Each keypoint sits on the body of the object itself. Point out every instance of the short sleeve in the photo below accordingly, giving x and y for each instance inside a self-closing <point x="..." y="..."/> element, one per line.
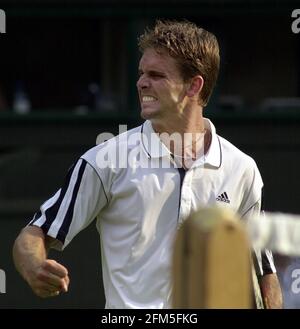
<point x="74" y="206"/>
<point x="252" y="189"/>
<point x="264" y="258"/>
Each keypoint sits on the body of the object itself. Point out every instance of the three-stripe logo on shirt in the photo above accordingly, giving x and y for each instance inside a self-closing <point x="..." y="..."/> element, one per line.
<point x="223" y="197"/>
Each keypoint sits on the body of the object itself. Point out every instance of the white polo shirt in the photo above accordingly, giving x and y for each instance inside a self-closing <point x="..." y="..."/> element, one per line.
<point x="140" y="207"/>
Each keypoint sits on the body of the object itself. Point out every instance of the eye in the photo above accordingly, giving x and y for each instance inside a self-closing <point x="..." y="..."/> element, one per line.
<point x="156" y="75"/>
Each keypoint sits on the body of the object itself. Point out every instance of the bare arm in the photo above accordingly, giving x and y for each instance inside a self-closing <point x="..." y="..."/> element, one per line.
<point x="271" y="291"/>
<point x="46" y="277"/>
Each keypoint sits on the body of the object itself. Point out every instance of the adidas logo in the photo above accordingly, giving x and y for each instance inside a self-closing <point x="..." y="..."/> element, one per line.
<point x="223" y="197"/>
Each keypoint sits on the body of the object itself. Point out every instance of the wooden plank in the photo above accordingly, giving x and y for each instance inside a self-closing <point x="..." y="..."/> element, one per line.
<point x="212" y="263"/>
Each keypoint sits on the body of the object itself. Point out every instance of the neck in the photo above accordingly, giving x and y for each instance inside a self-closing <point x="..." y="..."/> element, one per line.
<point x="189" y="121"/>
<point x="184" y="134"/>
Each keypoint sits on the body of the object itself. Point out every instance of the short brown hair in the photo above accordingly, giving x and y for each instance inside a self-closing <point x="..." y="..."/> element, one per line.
<point x="195" y="50"/>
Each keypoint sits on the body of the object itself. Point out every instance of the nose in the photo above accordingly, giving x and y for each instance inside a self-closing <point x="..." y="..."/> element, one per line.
<point x="143" y="82"/>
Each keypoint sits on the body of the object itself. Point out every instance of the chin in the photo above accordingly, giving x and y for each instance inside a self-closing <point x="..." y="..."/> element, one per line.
<point x="148" y="114"/>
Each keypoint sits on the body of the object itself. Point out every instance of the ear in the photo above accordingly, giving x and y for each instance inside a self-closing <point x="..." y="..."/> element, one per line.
<point x="195" y="86"/>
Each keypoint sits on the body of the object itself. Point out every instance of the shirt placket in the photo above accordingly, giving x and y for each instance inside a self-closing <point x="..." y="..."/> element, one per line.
<point x="185" y="197"/>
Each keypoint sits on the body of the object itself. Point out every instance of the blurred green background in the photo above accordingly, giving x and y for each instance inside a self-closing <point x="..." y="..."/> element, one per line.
<point x="68" y="71"/>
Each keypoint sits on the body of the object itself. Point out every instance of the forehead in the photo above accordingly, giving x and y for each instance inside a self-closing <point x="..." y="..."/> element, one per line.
<point x="151" y="59"/>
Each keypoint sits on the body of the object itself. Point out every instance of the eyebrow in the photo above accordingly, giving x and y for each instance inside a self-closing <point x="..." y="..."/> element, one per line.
<point x="153" y="72"/>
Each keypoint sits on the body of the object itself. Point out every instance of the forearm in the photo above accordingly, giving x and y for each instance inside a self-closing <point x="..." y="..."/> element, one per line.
<point x="271" y="291"/>
<point x="29" y="250"/>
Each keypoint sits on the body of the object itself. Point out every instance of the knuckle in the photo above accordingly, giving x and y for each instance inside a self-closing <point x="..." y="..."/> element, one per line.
<point x="47" y="264"/>
<point x="41" y="275"/>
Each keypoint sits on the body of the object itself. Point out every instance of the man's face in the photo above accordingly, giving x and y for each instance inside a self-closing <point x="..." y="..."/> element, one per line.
<point x="160" y="86"/>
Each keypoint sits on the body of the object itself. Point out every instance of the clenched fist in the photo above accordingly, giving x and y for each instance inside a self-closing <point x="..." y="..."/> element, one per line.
<point x="48" y="279"/>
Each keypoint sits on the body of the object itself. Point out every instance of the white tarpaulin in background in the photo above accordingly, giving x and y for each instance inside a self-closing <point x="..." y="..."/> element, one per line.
<point x="276" y="231"/>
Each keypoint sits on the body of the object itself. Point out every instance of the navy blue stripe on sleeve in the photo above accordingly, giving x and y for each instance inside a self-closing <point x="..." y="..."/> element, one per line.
<point x="52" y="211"/>
<point x="267" y="269"/>
<point x="64" y="229"/>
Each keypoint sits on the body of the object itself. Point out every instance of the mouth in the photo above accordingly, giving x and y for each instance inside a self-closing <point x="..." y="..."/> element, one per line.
<point x="147" y="99"/>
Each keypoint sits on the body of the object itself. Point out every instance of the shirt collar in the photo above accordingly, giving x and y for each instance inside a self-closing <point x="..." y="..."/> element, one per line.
<point x="154" y="147"/>
<point x="213" y="156"/>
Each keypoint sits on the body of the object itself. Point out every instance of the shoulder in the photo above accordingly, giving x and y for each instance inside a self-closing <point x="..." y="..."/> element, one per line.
<point x="240" y="164"/>
<point x="111" y="145"/>
<point x="111" y="157"/>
